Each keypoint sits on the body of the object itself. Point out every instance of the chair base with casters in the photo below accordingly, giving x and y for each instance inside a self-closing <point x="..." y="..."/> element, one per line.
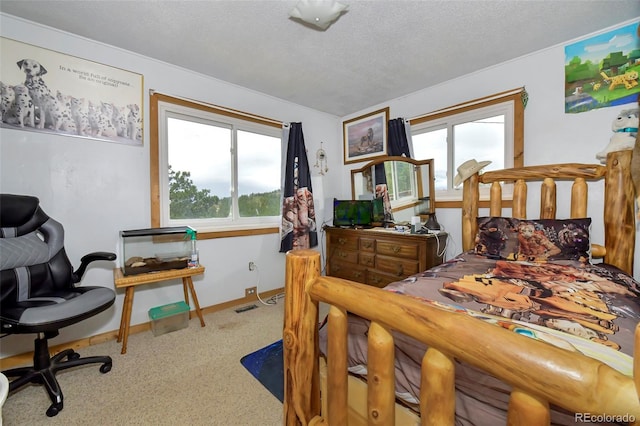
<point x="40" y="293"/>
<point x="44" y="370"/>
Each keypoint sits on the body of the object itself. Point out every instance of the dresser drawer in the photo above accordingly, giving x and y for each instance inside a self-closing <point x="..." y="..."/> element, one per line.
<point x="348" y="271"/>
<point x="400" y="268"/>
<point x="367" y="244"/>
<point x="344" y="255"/>
<point x="344" y="242"/>
<point x="367" y="259"/>
<point x="406" y="250"/>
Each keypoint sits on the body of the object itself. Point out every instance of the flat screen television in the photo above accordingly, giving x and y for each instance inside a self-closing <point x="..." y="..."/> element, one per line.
<point x="352" y="212"/>
<point x="377" y="210"/>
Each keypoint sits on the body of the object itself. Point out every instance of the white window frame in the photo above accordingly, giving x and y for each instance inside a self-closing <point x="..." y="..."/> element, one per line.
<point x="233" y="121"/>
<point x="400" y="202"/>
<point x="510" y="104"/>
<point x="449" y="122"/>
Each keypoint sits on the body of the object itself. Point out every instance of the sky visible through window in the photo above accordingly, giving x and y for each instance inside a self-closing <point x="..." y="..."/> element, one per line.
<point x="480" y="140"/>
<point x="205" y="151"/>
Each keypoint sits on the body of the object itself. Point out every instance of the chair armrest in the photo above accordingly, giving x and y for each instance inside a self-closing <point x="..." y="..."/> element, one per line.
<point x="87" y="259"/>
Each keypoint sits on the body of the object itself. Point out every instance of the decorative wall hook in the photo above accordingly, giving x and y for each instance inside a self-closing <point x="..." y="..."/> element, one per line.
<point x="321" y="160"/>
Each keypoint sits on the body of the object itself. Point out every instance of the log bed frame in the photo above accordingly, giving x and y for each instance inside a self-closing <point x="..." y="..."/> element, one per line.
<point x="580" y="384"/>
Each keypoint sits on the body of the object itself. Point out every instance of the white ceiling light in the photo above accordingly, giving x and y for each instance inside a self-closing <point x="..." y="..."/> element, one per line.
<point x="320" y="13"/>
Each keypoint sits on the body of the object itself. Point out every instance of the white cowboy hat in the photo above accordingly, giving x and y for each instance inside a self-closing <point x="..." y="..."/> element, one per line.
<point x="468" y="168"/>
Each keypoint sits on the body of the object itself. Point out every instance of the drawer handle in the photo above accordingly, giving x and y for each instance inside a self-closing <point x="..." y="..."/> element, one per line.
<point x="396" y="249"/>
<point x="342" y="241"/>
<point x="342" y="254"/>
<point x="367" y="244"/>
<point x="368" y="262"/>
<point x="376" y="280"/>
<point x="400" y="270"/>
<point x="357" y="274"/>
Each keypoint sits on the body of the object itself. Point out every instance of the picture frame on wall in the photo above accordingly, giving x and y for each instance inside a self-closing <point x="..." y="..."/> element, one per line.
<point x="365" y="137"/>
<point x="602" y="71"/>
<point x="55" y="93"/>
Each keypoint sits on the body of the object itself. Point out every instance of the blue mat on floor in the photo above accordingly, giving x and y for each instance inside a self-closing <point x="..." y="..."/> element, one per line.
<point x="267" y="365"/>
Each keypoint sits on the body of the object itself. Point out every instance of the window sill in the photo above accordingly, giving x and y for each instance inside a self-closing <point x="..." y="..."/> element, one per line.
<point x="228" y="233"/>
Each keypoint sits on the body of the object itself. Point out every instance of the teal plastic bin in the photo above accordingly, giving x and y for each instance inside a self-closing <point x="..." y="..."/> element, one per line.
<point x="170" y="317"/>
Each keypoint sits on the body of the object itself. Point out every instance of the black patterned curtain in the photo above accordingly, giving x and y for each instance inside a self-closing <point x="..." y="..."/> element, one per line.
<point x="298" y="230"/>
<point x="397" y="144"/>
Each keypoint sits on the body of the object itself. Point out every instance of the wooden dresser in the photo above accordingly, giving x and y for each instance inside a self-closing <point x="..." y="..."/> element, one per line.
<point x="379" y="257"/>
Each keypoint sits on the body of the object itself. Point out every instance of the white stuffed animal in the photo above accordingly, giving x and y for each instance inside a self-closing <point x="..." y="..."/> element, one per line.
<point x="625" y="128"/>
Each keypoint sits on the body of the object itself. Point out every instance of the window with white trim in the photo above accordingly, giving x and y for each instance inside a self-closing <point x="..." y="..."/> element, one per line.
<point x="486" y="129"/>
<point x="217" y="171"/>
<point x="401" y="183"/>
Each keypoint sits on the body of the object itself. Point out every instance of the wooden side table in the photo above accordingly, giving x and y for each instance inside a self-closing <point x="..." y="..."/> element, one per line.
<point x="131" y="281"/>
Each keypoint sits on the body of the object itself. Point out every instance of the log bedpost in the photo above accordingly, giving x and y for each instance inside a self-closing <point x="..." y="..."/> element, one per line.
<point x="619" y="214"/>
<point x="470" y="202"/>
<point x="300" y="339"/>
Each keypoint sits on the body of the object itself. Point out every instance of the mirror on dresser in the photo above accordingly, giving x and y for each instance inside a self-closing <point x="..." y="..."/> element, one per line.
<point x="410" y="184"/>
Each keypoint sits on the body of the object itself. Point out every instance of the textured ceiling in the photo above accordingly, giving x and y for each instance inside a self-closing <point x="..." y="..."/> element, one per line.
<point x="375" y="52"/>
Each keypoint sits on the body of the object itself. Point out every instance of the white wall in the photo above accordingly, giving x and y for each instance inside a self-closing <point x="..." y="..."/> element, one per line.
<point x="95" y="189"/>
<point x="550" y="135"/>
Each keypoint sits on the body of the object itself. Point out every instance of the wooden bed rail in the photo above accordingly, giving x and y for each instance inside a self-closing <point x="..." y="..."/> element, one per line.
<point x="619" y="216"/>
<point x="580" y="384"/>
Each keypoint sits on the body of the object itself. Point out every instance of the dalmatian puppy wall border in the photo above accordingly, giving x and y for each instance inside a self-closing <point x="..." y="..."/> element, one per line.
<point x="50" y="92"/>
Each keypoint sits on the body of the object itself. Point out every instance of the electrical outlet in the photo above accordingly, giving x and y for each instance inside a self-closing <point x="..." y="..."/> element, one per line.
<point x="252" y="266"/>
<point x="249" y="292"/>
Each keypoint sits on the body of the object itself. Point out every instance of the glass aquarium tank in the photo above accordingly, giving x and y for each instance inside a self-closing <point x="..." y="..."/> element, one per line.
<point x="157" y="249"/>
<point x="423" y="206"/>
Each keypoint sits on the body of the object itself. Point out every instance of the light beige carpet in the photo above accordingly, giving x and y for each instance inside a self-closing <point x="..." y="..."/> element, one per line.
<point x="191" y="376"/>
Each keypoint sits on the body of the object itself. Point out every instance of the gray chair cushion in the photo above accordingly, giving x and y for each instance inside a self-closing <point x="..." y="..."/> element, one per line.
<point x="62" y="310"/>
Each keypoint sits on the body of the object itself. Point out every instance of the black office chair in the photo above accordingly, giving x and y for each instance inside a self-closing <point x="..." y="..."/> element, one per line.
<point x="38" y="292"/>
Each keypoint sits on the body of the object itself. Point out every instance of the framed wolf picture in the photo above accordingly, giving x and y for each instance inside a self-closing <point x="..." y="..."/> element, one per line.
<point x="365" y="137"/>
<point x="51" y="92"/>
